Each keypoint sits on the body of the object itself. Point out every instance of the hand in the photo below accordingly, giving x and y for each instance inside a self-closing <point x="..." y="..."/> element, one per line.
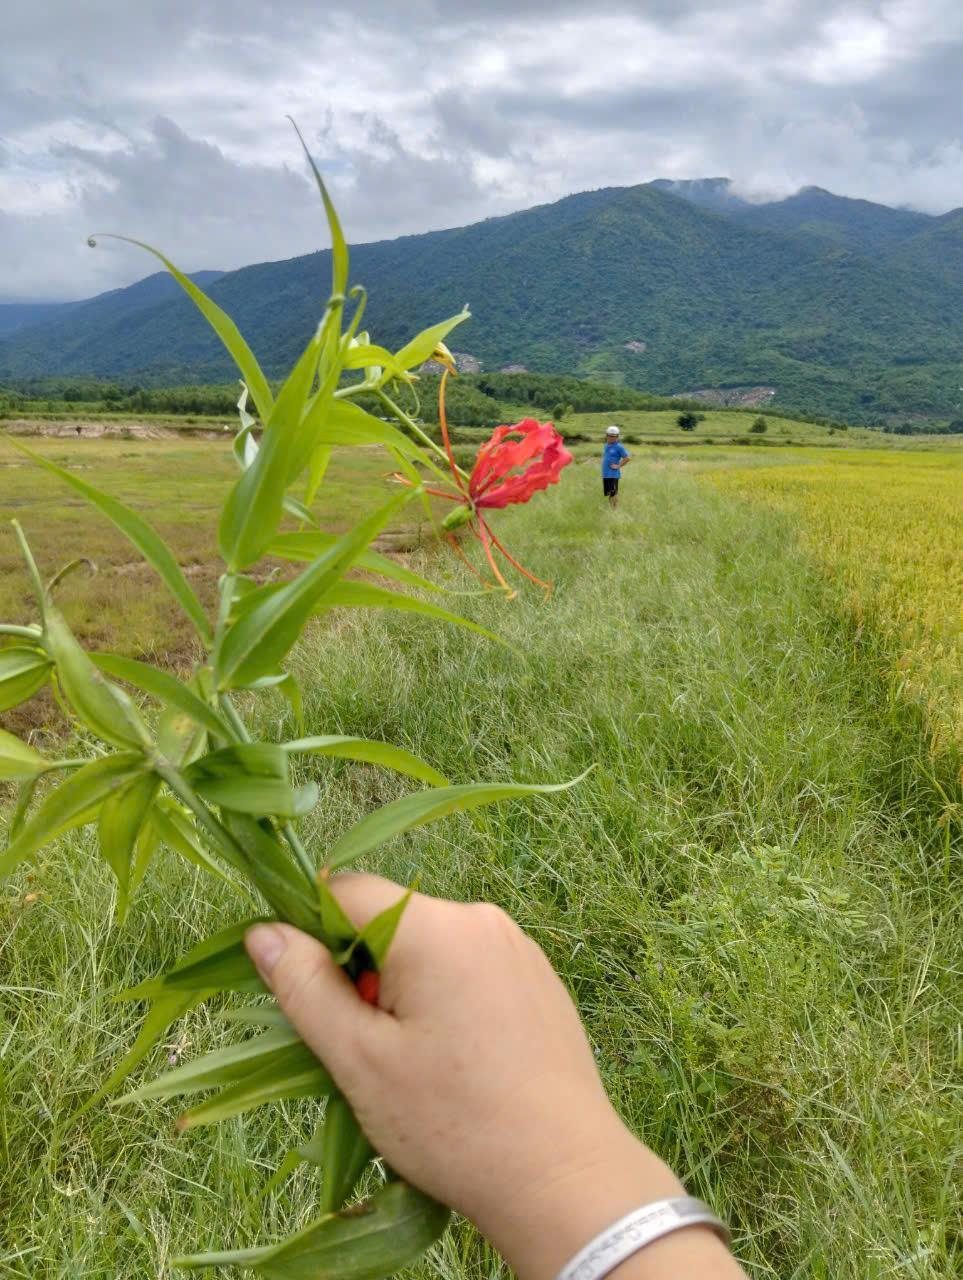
<point x="474" y="1077"/>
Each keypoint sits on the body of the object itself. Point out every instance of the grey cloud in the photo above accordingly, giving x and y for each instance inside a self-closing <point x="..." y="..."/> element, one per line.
<point x="164" y="118"/>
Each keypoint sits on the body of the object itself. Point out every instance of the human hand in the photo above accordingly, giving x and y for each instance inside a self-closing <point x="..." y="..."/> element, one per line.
<point x="474" y="1077"/>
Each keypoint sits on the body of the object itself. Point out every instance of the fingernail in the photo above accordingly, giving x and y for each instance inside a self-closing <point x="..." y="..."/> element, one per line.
<point x="265" y="945"/>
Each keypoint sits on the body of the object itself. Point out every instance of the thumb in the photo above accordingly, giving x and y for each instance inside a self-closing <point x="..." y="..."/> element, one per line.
<point x="318" y="999"/>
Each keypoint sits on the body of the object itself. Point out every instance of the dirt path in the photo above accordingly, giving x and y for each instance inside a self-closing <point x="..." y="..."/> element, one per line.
<point x="99" y="429"/>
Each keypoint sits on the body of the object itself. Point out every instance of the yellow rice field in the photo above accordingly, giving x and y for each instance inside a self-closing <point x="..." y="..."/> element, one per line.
<point x="889" y="525"/>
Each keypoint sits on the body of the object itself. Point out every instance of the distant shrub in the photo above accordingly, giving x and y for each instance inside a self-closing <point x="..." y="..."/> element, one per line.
<point x="688" y="421"/>
<point x="759" y="426"/>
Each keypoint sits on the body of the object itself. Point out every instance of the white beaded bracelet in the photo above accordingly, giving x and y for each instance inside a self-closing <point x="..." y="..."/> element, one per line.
<point x="637" y="1229"/>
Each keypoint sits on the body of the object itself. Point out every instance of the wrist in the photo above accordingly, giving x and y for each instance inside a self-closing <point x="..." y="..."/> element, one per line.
<point x="586" y="1182"/>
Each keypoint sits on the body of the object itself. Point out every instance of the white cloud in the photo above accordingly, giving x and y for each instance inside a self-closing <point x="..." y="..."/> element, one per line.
<point x="165" y="118"/>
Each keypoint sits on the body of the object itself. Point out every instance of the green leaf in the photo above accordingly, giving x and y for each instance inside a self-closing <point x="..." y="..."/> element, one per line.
<point x="22" y="672"/>
<point x="311" y="543"/>
<point x="178" y="832"/>
<point x="370" y="752"/>
<point x="264" y="1014"/>
<point x="339" y="422"/>
<point x="363" y="595"/>
<point x="122" y="817"/>
<point x="223" y="326"/>
<point x="72" y="804"/>
<point x="337" y="927"/>
<point x="219" y="963"/>
<point x="101" y="706"/>
<point x="214" y="1070"/>
<point x="380" y="1238"/>
<point x="170" y="1006"/>
<point x="345" y="1152"/>
<point x="17" y="760"/>
<point x="255" y="645"/>
<point x="251" y="777"/>
<point x="254" y="507"/>
<point x="317" y="468"/>
<point x="292" y="1072"/>
<point x="272" y="871"/>
<point x="151" y="546"/>
<point x="295" y="507"/>
<point x="378" y="934"/>
<point x="422" y="807"/>
<point x="167" y="689"/>
<point x="339" y="249"/>
<point x="420" y="348"/>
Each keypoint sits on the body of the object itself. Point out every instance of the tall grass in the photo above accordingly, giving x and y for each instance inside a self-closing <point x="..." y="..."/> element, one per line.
<point x="753" y="898"/>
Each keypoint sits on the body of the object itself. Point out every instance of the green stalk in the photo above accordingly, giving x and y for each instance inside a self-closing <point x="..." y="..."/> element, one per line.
<point x="26" y="633"/>
<point x="413" y="427"/>
<point x="287" y="829"/>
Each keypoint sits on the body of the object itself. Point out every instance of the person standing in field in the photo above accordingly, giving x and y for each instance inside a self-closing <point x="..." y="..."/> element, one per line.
<point x="614" y="457"/>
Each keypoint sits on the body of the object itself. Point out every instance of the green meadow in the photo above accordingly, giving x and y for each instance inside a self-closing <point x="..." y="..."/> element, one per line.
<point x="755" y="897"/>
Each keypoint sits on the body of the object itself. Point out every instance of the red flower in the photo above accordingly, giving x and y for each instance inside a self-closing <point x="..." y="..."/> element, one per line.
<point x="509" y="470"/>
<point x="514" y="464"/>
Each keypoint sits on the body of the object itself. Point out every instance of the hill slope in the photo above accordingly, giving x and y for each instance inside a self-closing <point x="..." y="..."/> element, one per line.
<point x="853" y="318"/>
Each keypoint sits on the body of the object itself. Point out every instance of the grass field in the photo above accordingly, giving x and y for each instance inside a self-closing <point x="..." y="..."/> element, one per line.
<point x="661" y="427"/>
<point x="179" y="485"/>
<point x="889" y="528"/>
<point x="755" y="899"/>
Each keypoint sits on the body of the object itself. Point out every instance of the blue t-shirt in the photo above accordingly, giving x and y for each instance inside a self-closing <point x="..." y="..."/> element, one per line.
<point x="613" y="453"/>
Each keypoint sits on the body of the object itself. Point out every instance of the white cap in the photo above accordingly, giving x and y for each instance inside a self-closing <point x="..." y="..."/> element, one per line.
<point x="612" y="430"/>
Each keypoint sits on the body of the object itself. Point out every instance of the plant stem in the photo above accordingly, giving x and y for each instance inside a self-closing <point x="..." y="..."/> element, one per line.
<point x="287" y="829"/>
<point x="230" y="848"/>
<point x="412" y="426"/>
<point x="27" y="633"/>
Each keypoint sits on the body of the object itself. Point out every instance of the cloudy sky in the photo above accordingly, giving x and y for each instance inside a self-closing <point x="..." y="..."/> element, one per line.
<point x="164" y="119"/>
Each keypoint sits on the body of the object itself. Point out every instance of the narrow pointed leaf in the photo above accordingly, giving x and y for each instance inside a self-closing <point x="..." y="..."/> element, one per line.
<point x="369" y="751"/>
<point x="220" y="963"/>
<point x="423" y="807"/>
<point x="317" y="469"/>
<point x="309" y="544"/>
<point x="363" y="595"/>
<point x="265" y="1014"/>
<point x="223" y="326"/>
<point x="17" y="760"/>
<point x="179" y="834"/>
<point x="254" y="507"/>
<point x="378" y="934"/>
<point x="136" y="529"/>
<point x="270" y="868"/>
<point x="250" y="777"/>
<point x="122" y="817"/>
<point x="396" y="1225"/>
<point x="255" y="645"/>
<point x="346" y="1151"/>
<point x="337" y="927"/>
<point x="217" y="1069"/>
<point x="166" y="688"/>
<point x="420" y="348"/>
<point x="339" y="422"/>
<point x="339" y="249"/>
<point x="163" y="1012"/>
<point x="293" y="1072"/>
<point x="101" y="706"/>
<point x="22" y="672"/>
<point x="73" y="803"/>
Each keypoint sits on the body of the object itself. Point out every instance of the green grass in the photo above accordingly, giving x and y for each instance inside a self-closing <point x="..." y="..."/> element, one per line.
<point x="722" y="426"/>
<point x="754" y="898"/>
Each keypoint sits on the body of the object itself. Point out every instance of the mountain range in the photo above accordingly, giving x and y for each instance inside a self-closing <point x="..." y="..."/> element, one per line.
<point x="841" y="306"/>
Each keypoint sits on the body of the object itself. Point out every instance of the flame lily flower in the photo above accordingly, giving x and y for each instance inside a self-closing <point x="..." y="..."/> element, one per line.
<point x="514" y="464"/>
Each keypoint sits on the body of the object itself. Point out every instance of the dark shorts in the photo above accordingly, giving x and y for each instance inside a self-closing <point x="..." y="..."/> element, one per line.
<point x="610" y="486"/>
